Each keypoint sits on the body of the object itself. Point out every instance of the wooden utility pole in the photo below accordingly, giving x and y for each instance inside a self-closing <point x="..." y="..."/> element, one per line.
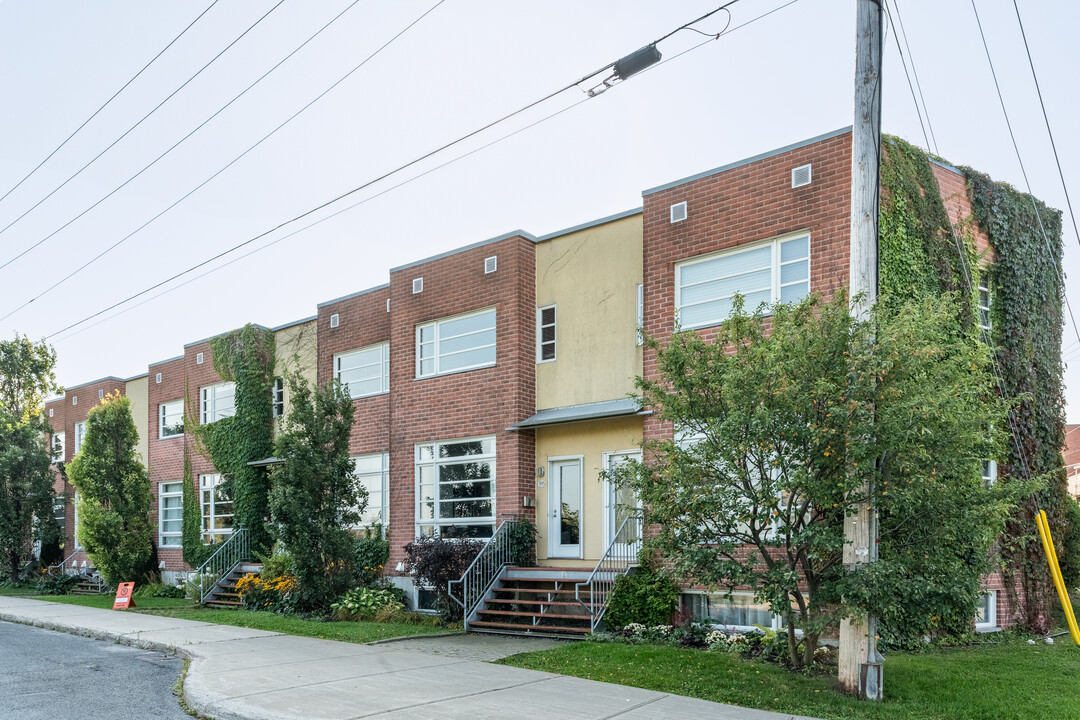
<point x="860" y="663"/>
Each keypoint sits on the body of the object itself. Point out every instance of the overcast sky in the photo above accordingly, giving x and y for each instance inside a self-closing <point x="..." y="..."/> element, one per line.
<point x="781" y="79"/>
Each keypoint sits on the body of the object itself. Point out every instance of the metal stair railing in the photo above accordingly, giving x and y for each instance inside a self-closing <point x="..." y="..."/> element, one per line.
<point x="620" y="556"/>
<point x="62" y="565"/>
<point x="485" y="569"/>
<point x="232" y="552"/>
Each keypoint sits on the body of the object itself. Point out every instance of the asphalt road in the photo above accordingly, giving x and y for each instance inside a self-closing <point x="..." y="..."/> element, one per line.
<point x="47" y="675"/>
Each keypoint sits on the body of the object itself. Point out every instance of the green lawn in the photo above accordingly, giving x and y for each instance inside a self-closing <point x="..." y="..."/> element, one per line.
<point x="355" y="632"/>
<point x="999" y="682"/>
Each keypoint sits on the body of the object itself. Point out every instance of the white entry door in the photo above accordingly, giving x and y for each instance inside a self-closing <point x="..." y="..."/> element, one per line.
<point x="564" y="503"/>
<point x="620" y="503"/>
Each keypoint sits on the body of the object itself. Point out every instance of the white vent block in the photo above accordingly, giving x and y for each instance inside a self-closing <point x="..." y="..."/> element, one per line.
<point x="800" y="176"/>
<point x="387" y="304"/>
<point x="417" y="285"/>
<point x="74" y="399"/>
<point x="100" y="394"/>
<point x="198" y="359"/>
<point x="491" y="264"/>
<point x="678" y="212"/>
<point x="51" y="411"/>
<point x="157" y="378"/>
<point x="335" y="320"/>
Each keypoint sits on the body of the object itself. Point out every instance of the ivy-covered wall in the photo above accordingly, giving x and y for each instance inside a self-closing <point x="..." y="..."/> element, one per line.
<point x="921" y="252"/>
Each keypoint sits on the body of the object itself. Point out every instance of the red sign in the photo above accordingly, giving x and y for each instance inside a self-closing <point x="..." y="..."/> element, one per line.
<point x="123" y="597"/>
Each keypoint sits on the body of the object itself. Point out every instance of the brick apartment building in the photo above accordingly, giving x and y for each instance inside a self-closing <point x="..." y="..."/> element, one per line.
<point x="1072" y="458"/>
<point x="515" y="356"/>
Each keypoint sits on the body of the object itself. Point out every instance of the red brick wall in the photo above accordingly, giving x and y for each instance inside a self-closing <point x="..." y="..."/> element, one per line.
<point x="953" y="187"/>
<point x="1072" y="458"/>
<point x="473" y="403"/>
<point x="363" y="321"/>
<point x="166" y="455"/>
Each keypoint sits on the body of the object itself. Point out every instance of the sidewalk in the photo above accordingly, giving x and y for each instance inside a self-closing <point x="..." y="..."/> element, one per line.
<point x="243" y="674"/>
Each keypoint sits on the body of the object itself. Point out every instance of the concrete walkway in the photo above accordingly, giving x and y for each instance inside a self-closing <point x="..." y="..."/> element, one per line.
<point x="238" y="673"/>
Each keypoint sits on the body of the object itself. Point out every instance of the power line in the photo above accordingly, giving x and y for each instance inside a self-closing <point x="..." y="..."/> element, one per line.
<point x="1046" y="119"/>
<point x="114" y="142"/>
<point x="904" y="64"/>
<point x="387" y="175"/>
<point x="175" y="145"/>
<point x="900" y="22"/>
<point x="113" y="97"/>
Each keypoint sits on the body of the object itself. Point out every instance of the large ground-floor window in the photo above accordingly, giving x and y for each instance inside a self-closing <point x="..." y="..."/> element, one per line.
<point x="170" y="514"/>
<point x="372" y="473"/>
<point x="455" y="483"/>
<point x="217" y="509"/>
<point x="740" y="611"/>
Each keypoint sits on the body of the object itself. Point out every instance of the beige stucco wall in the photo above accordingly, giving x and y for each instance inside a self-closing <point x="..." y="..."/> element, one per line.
<point x="296" y="348"/>
<point x="591" y="277"/>
<point x="137" y="393"/>
<point x="591" y="440"/>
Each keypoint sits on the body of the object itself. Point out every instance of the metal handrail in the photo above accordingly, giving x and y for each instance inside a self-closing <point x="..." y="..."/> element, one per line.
<point x="620" y="556"/>
<point x="63" y="563"/>
<point x="484" y="570"/>
<point x="231" y="553"/>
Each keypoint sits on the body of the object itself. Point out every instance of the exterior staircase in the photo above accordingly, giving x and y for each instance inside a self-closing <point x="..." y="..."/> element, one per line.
<point x="89" y="584"/>
<point x="537" y="601"/>
<point x="224" y="594"/>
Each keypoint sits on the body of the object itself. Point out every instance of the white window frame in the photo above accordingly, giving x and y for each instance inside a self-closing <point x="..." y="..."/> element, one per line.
<point x="209" y="482"/>
<point x="640" y="329"/>
<point x="437" y="340"/>
<point x="609" y="491"/>
<point x="382" y="350"/>
<point x="989" y="623"/>
<point x="383" y="507"/>
<point x="984" y="287"/>
<point x="210" y="412"/>
<point x="75" y="529"/>
<point x="554" y="342"/>
<point x="777" y="623"/>
<point x="170" y="491"/>
<point x="277" y="398"/>
<point x="435" y="462"/>
<point x="80" y="437"/>
<point x="163" y="415"/>
<point x="775" y="285"/>
<point x="988" y="471"/>
<point x="58" y="446"/>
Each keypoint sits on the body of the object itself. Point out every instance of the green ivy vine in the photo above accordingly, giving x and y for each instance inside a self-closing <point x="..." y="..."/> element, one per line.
<point x="247" y="357"/>
<point x="918" y="256"/>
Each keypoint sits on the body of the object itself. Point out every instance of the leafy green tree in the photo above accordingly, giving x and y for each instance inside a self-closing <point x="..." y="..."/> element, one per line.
<point x="779" y="423"/>
<point x="114" y="494"/>
<point x="314" y="494"/>
<point x="26" y="483"/>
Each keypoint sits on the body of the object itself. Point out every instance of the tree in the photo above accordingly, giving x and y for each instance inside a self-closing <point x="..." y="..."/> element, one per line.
<point x="114" y="494"/>
<point x="780" y="420"/>
<point x="26" y="483"/>
<point x="314" y="494"/>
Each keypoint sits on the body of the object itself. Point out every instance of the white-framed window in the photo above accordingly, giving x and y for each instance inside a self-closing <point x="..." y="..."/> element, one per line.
<point x="739" y="612"/>
<point x="80" y="435"/>
<point x="59" y="507"/>
<point x="989" y="472"/>
<point x="365" y="371"/>
<point x="418" y="285"/>
<point x="491" y="264"/>
<point x="986" y="612"/>
<point x="641" y="313"/>
<point x="170" y="514"/>
<point x="74" y="399"/>
<point x="455" y="482"/>
<point x="100" y="394"/>
<point x="51" y="411"/>
<point x="157" y="379"/>
<point x="198" y="358"/>
<point x="171" y="419"/>
<point x="545" y="333"/>
<point x="774" y="271"/>
<point x="462" y="342"/>
<point x="75" y="508"/>
<point x="373" y="474"/>
<point x="335" y="320"/>
<point x="217" y="509"/>
<point x="277" y="397"/>
<point x="218" y="401"/>
<point x="984" y="301"/>
<point x="58" y="447"/>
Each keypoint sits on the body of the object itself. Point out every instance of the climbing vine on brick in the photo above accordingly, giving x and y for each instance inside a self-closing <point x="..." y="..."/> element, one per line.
<point x="247" y="357"/>
<point x="1027" y="320"/>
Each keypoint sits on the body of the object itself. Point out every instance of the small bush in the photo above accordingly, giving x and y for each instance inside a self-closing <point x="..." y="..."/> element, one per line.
<point x="437" y="561"/>
<point x="365" y="603"/>
<point x="158" y="589"/>
<point x="522" y="537"/>
<point x="192" y="589"/>
<point x="372" y="553"/>
<point x="1069" y="552"/>
<point x="277" y="564"/>
<point x="646" y="597"/>
<point x="274" y="595"/>
<point x="56" y="584"/>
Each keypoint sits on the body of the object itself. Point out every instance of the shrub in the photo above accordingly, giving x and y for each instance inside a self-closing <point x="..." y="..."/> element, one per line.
<point x="274" y="595"/>
<point x="276" y="564"/>
<point x="372" y="553"/>
<point x="158" y="589"/>
<point x="437" y="561"/>
<point x="646" y="596"/>
<point x="365" y="603"/>
<point x="522" y="537"/>
<point x="56" y="584"/>
<point x="192" y="588"/>
<point x="1069" y="552"/>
